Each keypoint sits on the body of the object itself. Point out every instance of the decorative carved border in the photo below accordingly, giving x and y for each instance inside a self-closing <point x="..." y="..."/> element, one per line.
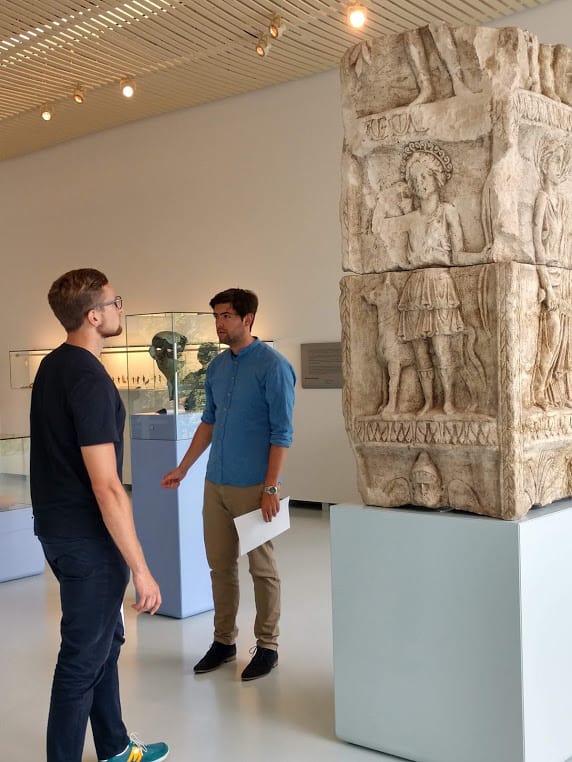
<point x="546" y="427"/>
<point x="369" y="430"/>
<point x="346" y="351"/>
<point x="511" y="447"/>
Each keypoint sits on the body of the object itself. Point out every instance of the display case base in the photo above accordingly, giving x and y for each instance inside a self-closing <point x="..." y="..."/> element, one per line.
<point x="452" y="633"/>
<point x="21" y="554"/>
<point x="170" y="525"/>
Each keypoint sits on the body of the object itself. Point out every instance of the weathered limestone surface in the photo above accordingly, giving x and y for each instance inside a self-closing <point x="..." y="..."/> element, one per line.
<point x="456" y="216"/>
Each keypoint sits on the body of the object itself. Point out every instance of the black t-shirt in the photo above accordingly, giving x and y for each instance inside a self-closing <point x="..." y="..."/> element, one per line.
<point x="74" y="404"/>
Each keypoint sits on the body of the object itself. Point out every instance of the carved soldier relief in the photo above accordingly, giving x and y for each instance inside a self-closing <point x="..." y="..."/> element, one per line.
<point x="456" y="214"/>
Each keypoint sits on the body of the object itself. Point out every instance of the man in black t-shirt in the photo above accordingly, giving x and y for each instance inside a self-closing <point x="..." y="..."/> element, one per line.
<point x="84" y="521"/>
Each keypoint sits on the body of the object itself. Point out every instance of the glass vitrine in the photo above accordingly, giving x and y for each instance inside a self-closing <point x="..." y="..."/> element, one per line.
<point x="20" y="552"/>
<point x="14" y="472"/>
<point x="24" y="364"/>
<point x="167" y="357"/>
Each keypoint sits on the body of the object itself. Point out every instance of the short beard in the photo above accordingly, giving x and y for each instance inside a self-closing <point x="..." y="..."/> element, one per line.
<point x="109" y="335"/>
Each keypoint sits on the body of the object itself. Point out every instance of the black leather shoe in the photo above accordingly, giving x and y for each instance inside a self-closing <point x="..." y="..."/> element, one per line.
<point x="218" y="653"/>
<point x="263" y="661"/>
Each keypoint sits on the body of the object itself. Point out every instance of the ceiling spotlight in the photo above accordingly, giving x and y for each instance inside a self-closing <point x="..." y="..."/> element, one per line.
<point x="46" y="112"/>
<point x="276" y="27"/>
<point x="79" y="94"/>
<point x="357" y="15"/>
<point x="127" y="86"/>
<point x="263" y="46"/>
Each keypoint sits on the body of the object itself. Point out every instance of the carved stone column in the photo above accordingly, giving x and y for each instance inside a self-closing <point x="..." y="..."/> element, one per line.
<point x="456" y="216"/>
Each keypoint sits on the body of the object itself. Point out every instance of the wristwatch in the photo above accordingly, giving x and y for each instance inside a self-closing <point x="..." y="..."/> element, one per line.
<point x="272" y="490"/>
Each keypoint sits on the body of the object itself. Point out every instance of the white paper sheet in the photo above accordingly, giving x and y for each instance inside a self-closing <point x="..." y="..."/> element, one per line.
<point x="253" y="530"/>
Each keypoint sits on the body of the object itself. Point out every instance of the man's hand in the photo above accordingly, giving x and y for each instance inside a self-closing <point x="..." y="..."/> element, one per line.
<point x="270" y="506"/>
<point x="173" y="478"/>
<point x="148" y="593"/>
<point x="199" y="443"/>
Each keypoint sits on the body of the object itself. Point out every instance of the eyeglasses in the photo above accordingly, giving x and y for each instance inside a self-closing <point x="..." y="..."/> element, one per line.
<point x="118" y="302"/>
<point x="225" y="315"/>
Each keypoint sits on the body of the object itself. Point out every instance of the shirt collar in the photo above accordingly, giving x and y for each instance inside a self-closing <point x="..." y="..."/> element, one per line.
<point x="246" y="350"/>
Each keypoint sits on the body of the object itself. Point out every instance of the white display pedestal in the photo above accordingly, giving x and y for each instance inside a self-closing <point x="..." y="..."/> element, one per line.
<point x="170" y="525"/>
<point x="453" y="633"/>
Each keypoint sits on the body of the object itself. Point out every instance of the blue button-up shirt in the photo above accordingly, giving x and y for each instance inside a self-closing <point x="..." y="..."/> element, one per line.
<point x="249" y="401"/>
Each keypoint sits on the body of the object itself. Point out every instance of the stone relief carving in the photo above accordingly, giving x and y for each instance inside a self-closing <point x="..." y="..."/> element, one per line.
<point x="456" y="212"/>
<point x="372" y="430"/>
<point x="393" y="354"/>
<point x="428" y="307"/>
<point x="442" y="37"/>
<point x="396" y="384"/>
<point x="552" y="223"/>
<point x="424" y="486"/>
<point x="549" y="70"/>
<point x="544" y="478"/>
<point x="568" y="475"/>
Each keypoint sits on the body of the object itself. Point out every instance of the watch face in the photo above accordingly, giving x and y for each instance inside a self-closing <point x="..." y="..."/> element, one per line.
<point x="271" y="490"/>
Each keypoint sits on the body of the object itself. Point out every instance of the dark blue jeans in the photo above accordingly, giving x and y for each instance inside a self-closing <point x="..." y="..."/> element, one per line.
<point x="92" y="576"/>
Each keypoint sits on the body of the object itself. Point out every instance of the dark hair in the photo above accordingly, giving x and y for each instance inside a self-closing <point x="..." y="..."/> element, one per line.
<point x="73" y="294"/>
<point x="242" y="301"/>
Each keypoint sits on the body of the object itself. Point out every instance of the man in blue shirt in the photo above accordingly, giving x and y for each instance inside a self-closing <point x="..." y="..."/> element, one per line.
<point x="247" y="421"/>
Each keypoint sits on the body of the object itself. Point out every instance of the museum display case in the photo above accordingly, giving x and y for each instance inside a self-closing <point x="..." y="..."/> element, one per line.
<point x="24" y="364"/>
<point x="20" y="552"/>
<point x="14" y="471"/>
<point x="167" y="357"/>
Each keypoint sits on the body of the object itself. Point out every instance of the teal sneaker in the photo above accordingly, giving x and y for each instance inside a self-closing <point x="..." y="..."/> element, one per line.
<point x="138" y="752"/>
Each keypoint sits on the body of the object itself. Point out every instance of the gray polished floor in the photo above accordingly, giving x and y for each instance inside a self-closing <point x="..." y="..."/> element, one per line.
<point x="286" y="716"/>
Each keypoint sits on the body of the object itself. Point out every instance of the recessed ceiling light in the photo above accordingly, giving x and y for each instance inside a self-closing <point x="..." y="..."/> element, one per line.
<point x="263" y="46"/>
<point x="127" y="86"/>
<point x="276" y="27"/>
<point x="357" y="16"/>
<point x="46" y="112"/>
<point x="79" y="94"/>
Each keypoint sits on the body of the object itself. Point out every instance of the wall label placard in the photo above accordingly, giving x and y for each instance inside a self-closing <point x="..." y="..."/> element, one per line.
<point x="322" y="365"/>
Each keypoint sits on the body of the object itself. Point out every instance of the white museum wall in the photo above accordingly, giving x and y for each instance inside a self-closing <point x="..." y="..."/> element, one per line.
<point x="241" y="192"/>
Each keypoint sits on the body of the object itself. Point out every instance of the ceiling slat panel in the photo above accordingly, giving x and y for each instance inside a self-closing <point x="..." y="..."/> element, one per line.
<point x="182" y="53"/>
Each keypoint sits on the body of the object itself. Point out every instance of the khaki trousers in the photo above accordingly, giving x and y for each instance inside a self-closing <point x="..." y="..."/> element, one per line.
<point x="223" y="503"/>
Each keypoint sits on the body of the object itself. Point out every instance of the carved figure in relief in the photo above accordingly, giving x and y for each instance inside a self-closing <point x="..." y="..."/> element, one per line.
<point x="447" y="48"/>
<point x="393" y="355"/>
<point x="426" y="484"/>
<point x="429" y="307"/>
<point x="425" y="487"/>
<point x="393" y="201"/>
<point x="552" y="374"/>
